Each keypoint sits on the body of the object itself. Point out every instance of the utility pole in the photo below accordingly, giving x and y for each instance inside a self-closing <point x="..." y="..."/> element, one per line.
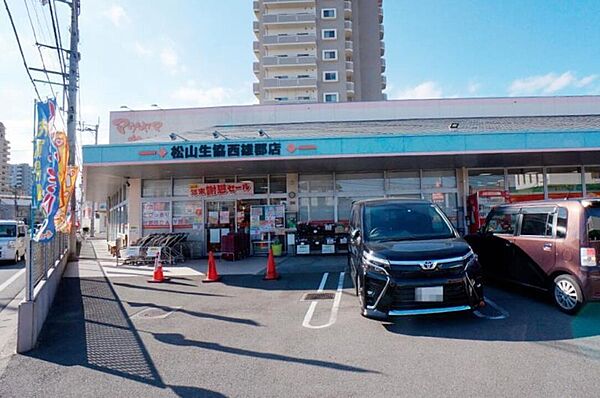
<point x="93" y="129"/>
<point x="72" y="113"/>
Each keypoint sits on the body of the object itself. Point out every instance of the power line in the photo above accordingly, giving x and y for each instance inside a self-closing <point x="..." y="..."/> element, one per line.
<point x="58" y="45"/>
<point x="38" y="48"/>
<point x="21" y="50"/>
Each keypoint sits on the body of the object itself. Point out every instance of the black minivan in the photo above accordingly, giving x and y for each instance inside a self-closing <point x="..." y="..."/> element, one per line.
<point x="406" y="258"/>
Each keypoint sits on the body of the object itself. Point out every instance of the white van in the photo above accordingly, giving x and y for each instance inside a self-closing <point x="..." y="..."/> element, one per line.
<point x="13" y="240"/>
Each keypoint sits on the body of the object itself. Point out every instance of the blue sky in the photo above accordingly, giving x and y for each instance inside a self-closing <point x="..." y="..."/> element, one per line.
<point x="180" y="53"/>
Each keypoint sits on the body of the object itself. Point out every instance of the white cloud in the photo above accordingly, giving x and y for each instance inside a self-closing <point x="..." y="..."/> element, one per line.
<point x="117" y="15"/>
<point x="548" y="84"/>
<point x="473" y="87"/>
<point x="141" y="49"/>
<point x="169" y="57"/>
<point x="191" y="95"/>
<point x="427" y="89"/>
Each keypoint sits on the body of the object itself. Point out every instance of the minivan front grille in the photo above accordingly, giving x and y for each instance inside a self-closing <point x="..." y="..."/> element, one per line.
<point x="454" y="294"/>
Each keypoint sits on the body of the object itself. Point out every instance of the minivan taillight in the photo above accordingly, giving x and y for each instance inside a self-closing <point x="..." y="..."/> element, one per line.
<point x="588" y="257"/>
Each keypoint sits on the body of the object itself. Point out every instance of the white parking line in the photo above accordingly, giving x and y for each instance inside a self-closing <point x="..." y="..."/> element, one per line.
<point x="502" y="311"/>
<point x="334" y="309"/>
<point x="12" y="279"/>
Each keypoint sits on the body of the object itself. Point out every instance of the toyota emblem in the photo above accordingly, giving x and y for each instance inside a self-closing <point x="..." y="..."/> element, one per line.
<point x="428" y="265"/>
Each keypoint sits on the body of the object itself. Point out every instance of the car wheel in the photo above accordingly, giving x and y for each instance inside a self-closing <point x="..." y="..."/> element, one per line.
<point x="567" y="294"/>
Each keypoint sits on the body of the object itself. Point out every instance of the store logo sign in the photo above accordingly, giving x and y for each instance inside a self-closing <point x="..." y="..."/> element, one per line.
<point x="126" y="126"/>
<point x="225" y="150"/>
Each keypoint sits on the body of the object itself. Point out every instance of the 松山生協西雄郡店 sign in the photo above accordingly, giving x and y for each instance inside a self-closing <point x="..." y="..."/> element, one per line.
<point x="225" y="150"/>
<point x="221" y="189"/>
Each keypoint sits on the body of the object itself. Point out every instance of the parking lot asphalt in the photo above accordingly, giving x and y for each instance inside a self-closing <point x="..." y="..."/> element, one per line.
<point x="245" y="337"/>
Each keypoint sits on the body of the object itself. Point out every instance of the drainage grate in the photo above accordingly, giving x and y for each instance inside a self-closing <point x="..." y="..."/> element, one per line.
<point x="318" y="296"/>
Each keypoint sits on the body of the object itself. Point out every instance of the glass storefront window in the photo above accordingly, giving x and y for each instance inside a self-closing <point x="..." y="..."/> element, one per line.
<point x="181" y="186"/>
<point x="486" y="179"/>
<point x="278" y="183"/>
<point x="315" y="183"/>
<point x="439" y="179"/>
<point x="344" y="207"/>
<point x="447" y="202"/>
<point x="316" y="209"/>
<point x="592" y="181"/>
<point x="155" y="216"/>
<point x="156" y="188"/>
<point x="403" y="181"/>
<point x="525" y="184"/>
<point x="564" y="182"/>
<point x="360" y="182"/>
<point x="261" y="184"/>
<point x="214" y="180"/>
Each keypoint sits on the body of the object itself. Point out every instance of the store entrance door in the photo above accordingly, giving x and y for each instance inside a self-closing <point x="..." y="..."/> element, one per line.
<point x="220" y="220"/>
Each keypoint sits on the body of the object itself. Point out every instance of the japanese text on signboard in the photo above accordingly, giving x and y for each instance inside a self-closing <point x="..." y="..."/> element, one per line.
<point x="225" y="150"/>
<point x="222" y="189"/>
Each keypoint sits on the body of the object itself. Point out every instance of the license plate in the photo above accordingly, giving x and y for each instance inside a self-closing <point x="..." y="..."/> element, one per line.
<point x="429" y="294"/>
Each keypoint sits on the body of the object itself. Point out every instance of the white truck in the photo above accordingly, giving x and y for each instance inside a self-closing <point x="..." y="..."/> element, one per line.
<point x="13" y="240"/>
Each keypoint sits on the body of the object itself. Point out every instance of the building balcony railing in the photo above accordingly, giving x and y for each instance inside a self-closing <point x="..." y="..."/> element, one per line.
<point x="256" y="67"/>
<point x="347" y="9"/>
<point x="256" y="6"/>
<point x="256" y="88"/>
<point x="309" y="18"/>
<point x="256" y="46"/>
<point x="350" y="87"/>
<point x="349" y="46"/>
<point x="382" y="65"/>
<point x="381" y="32"/>
<point x="289" y="3"/>
<point x="290" y="101"/>
<point x="288" y="61"/>
<point x="382" y="45"/>
<point x="348" y="29"/>
<point x="380" y="14"/>
<point x="255" y="26"/>
<point x="349" y="66"/>
<point x="383" y="82"/>
<point x="295" y="39"/>
<point x="289" y="83"/>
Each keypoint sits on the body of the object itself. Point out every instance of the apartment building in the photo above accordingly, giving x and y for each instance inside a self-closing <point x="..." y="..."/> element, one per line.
<point x="4" y="157"/>
<point x="319" y="51"/>
<point x="21" y="177"/>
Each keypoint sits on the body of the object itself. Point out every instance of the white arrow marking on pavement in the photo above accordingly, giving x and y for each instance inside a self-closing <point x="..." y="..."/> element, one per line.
<point x="334" y="308"/>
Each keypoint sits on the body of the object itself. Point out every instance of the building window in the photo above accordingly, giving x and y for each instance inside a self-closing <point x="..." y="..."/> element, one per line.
<point x="281" y="77"/>
<point x="330" y="97"/>
<point x="330" y="76"/>
<point x="156" y="188"/>
<point x="315" y="183"/>
<point x="564" y="182"/>
<point x="329" y="34"/>
<point x="281" y="98"/>
<point x="330" y="55"/>
<point x="328" y="13"/>
<point x="303" y="76"/>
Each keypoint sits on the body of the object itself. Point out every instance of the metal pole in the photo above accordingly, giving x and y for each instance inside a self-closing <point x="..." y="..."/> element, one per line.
<point x="29" y="262"/>
<point x="72" y="114"/>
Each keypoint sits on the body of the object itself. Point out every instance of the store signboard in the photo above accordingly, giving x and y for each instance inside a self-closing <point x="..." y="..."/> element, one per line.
<point x="267" y="219"/>
<point x="221" y="189"/>
<point x="235" y="150"/>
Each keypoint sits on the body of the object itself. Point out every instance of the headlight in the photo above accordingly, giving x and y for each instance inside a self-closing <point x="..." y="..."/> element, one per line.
<point x="470" y="260"/>
<point x="375" y="264"/>
<point x="11" y="244"/>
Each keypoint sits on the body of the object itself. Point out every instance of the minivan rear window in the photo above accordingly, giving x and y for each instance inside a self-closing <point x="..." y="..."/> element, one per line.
<point x="8" y="231"/>
<point x="592" y="217"/>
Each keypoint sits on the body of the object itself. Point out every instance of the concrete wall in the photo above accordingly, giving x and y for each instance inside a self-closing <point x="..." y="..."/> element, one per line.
<point x="32" y="314"/>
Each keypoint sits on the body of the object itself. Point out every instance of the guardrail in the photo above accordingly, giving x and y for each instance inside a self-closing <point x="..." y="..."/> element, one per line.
<point x="45" y="256"/>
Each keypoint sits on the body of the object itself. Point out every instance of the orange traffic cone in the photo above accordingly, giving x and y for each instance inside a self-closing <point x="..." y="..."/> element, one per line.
<point x="158" y="276"/>
<point x="271" y="274"/>
<point x="211" y="275"/>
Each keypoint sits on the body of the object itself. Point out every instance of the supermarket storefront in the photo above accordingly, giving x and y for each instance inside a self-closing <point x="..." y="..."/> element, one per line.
<point x="298" y="191"/>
